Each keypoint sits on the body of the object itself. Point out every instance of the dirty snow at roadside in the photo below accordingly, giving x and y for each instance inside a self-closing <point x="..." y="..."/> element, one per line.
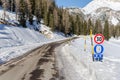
<point x="76" y="64"/>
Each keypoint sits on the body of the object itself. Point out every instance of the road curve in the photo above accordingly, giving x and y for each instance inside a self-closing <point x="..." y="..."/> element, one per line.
<point x="38" y="64"/>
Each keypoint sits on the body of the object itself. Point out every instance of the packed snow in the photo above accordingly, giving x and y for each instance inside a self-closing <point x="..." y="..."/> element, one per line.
<point x="76" y="64"/>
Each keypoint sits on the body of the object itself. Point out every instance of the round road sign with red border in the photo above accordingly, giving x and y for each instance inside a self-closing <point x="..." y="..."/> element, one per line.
<point x="99" y="38"/>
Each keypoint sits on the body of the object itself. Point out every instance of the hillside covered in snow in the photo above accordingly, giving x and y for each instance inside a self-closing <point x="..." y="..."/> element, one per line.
<point x="16" y="40"/>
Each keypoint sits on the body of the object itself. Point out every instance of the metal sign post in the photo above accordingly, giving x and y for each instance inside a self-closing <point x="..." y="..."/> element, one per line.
<point x="92" y="49"/>
<point x="99" y="39"/>
<point x="85" y="43"/>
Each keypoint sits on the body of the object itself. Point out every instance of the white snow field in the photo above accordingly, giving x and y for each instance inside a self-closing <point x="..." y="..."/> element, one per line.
<point x="76" y="64"/>
<point x="15" y="41"/>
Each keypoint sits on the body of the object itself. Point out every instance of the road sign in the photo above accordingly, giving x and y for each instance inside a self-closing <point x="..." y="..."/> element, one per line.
<point x="98" y="57"/>
<point x="101" y="50"/>
<point x="99" y="38"/>
<point x="98" y="49"/>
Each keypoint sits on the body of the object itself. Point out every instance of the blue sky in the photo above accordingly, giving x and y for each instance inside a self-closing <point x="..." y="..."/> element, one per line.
<point x="76" y="3"/>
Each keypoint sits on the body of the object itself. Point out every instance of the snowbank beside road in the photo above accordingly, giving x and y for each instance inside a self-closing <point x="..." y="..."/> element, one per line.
<point x="76" y="64"/>
<point x="15" y="41"/>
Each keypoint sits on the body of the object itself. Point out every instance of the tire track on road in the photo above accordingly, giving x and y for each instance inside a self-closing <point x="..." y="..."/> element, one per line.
<point x="37" y="64"/>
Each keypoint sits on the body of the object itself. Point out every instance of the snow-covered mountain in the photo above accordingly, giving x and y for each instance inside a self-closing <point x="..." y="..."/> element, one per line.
<point x="102" y="10"/>
<point x="75" y="10"/>
<point x="96" y="4"/>
<point x="105" y="13"/>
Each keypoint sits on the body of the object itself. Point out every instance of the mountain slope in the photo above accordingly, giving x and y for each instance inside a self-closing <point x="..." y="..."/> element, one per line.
<point x="105" y="13"/>
<point x="104" y="10"/>
<point x="100" y="9"/>
<point x="95" y="4"/>
<point x="76" y="11"/>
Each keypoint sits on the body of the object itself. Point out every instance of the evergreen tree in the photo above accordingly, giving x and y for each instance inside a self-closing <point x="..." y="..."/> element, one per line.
<point x="60" y="24"/>
<point x="17" y="5"/>
<point x="30" y="10"/>
<point x="72" y="25"/>
<point x="82" y="28"/>
<point x="66" y="23"/>
<point x="77" y="24"/>
<point x="89" y="26"/>
<point x="38" y="10"/>
<point x="96" y="27"/>
<point x="0" y="2"/>
<point x="12" y="5"/>
<point x="4" y="8"/>
<point x="55" y="13"/>
<point x="46" y="18"/>
<point x="51" y="22"/>
<point x="46" y="14"/>
<point x="112" y="31"/>
<point x="100" y="30"/>
<point x="32" y="3"/>
<point x="106" y="30"/>
<point x="85" y="28"/>
<point x="117" y="31"/>
<point x="22" y="13"/>
<point x="63" y="21"/>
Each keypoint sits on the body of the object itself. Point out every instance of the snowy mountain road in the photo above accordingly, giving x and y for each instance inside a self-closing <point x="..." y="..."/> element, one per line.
<point x="38" y="64"/>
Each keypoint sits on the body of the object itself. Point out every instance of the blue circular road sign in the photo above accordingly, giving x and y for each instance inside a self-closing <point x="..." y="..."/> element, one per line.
<point x="95" y="49"/>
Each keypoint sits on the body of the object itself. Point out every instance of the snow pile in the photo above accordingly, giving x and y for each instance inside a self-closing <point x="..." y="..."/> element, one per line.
<point x="46" y="31"/>
<point x="10" y="16"/>
<point x="76" y="64"/>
